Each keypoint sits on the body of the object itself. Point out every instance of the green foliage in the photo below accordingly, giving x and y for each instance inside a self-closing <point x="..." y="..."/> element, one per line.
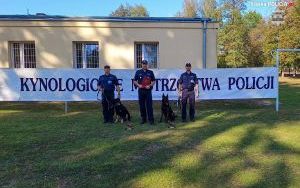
<point x="252" y="18"/>
<point x="256" y="38"/>
<point x="289" y="36"/>
<point x="234" y="37"/>
<point x="189" y="9"/>
<point x="203" y="8"/>
<point x="230" y="7"/>
<point x="210" y="9"/>
<point x="130" y="11"/>
<point x="270" y="43"/>
<point x="250" y="41"/>
<point x="139" y="11"/>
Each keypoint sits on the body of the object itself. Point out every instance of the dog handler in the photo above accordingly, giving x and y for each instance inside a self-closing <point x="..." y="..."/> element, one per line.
<point x="107" y="84"/>
<point x="188" y="90"/>
<point x="144" y="79"/>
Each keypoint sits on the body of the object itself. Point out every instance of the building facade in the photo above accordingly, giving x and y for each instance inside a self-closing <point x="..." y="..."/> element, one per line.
<point x="42" y="41"/>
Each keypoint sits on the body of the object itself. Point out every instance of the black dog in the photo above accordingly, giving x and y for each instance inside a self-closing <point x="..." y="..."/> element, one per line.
<point x="122" y="113"/>
<point x="167" y="111"/>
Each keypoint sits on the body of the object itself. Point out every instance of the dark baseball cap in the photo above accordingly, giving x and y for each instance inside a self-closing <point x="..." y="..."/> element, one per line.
<point x="188" y="65"/>
<point x="106" y="67"/>
<point x="145" y="62"/>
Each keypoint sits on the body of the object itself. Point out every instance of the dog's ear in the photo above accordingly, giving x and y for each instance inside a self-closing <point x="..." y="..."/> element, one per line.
<point x="163" y="94"/>
<point x="167" y="95"/>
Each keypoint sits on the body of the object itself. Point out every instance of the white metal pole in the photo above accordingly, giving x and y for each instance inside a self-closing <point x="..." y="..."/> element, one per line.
<point x="277" y="79"/>
<point x="277" y="65"/>
<point x="66" y="107"/>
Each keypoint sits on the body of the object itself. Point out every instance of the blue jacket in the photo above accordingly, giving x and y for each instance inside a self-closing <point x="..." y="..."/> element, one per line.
<point x="108" y="82"/>
<point x="188" y="80"/>
<point x="144" y="77"/>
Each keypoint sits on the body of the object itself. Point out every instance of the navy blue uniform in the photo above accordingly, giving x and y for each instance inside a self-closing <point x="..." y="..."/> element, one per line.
<point x="108" y="83"/>
<point x="144" y="78"/>
<point x="188" y="81"/>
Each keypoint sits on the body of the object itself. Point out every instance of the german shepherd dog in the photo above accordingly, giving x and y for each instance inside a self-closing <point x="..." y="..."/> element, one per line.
<point x="167" y="112"/>
<point x="122" y="113"/>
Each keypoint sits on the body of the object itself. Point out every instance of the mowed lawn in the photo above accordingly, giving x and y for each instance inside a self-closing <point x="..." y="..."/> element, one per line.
<point x="231" y="144"/>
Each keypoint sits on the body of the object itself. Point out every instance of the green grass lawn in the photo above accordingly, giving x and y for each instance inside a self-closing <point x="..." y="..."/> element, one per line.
<point x="231" y="144"/>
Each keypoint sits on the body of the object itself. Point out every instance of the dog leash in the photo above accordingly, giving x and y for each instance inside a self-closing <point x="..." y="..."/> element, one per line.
<point x="110" y="105"/>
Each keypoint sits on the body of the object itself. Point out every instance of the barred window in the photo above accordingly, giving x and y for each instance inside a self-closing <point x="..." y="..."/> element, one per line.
<point x="23" y="54"/>
<point x="146" y="51"/>
<point x="86" y="54"/>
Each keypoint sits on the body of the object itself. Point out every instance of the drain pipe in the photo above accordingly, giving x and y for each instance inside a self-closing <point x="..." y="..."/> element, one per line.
<point x="204" y="43"/>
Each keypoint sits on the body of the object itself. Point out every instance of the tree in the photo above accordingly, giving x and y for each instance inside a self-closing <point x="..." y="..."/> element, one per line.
<point x="209" y="9"/>
<point x="234" y="38"/>
<point x="270" y="42"/>
<point x="139" y="11"/>
<point x="229" y="7"/>
<point x="256" y="26"/>
<point x="252" y="18"/>
<point x="121" y="11"/>
<point x="203" y="8"/>
<point x="130" y="11"/>
<point x="289" y="37"/>
<point x="189" y="9"/>
<point x="256" y="40"/>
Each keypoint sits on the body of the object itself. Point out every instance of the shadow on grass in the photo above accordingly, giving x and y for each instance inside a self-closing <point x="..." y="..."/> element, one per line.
<point x="76" y="150"/>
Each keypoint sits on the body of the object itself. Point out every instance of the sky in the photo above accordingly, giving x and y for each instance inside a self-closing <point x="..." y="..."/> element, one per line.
<point x="156" y="8"/>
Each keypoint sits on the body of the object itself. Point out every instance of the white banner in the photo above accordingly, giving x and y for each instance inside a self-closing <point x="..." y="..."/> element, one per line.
<point x="81" y="84"/>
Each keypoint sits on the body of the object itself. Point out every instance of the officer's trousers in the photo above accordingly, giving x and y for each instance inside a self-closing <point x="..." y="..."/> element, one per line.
<point x="188" y="95"/>
<point x="145" y="102"/>
<point x="107" y="105"/>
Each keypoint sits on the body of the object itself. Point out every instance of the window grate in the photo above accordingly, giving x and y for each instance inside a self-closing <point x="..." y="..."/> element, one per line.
<point x="146" y="51"/>
<point x="86" y="55"/>
<point x="29" y="55"/>
<point x="79" y="51"/>
<point x="23" y="55"/>
<point x="16" y="55"/>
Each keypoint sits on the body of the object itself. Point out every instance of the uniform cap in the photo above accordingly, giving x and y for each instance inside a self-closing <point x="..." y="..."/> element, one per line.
<point x="145" y="62"/>
<point x="188" y="65"/>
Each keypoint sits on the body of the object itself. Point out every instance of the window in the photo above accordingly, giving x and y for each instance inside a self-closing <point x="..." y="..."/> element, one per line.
<point x="147" y="51"/>
<point x="23" y="54"/>
<point x="86" y="55"/>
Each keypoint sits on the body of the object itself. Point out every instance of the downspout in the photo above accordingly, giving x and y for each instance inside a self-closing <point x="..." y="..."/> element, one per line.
<point x="204" y="44"/>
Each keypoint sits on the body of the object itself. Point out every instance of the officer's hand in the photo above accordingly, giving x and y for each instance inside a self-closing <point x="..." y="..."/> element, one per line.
<point x="147" y="87"/>
<point x="100" y="90"/>
<point x="139" y="85"/>
<point x="196" y="93"/>
<point x="180" y="93"/>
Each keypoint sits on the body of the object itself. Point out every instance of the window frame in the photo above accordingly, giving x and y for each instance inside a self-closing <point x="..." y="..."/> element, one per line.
<point x="143" y="43"/>
<point x="21" y="54"/>
<point x="84" y="57"/>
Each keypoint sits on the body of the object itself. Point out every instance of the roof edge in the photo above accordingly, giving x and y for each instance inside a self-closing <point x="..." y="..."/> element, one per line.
<point x="102" y="18"/>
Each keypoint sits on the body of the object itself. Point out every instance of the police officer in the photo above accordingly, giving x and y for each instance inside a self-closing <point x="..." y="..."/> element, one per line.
<point x="144" y="79"/>
<point x="188" y="90"/>
<point x="107" y="84"/>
